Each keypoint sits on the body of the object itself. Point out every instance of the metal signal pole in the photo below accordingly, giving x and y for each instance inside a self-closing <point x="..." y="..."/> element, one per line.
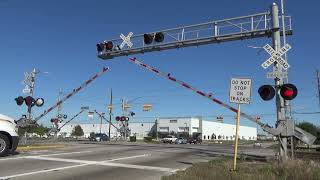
<point x="280" y="106"/>
<point x="110" y="113"/>
<point x="318" y="82"/>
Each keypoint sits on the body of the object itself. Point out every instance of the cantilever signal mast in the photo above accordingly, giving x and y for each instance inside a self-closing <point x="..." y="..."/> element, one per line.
<point x="216" y="31"/>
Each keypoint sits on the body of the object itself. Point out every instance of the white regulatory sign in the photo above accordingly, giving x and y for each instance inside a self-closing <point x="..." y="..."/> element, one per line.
<point x="240" y="91"/>
<point x="272" y="75"/>
<point x="276" y="56"/>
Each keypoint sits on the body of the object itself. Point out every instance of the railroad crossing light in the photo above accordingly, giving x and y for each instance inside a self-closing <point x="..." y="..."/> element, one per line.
<point x="118" y="118"/>
<point x="99" y="47"/>
<point x="19" y="100"/>
<point x="124" y="118"/>
<point x="266" y="92"/>
<point x="39" y="102"/>
<point x="288" y="91"/>
<point x="157" y="37"/>
<point x="29" y="101"/>
<point x="108" y="45"/>
<point x="147" y="38"/>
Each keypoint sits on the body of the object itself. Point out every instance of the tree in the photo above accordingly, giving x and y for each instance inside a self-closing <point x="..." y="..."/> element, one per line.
<point x="77" y="131"/>
<point x="41" y="130"/>
<point x="312" y="129"/>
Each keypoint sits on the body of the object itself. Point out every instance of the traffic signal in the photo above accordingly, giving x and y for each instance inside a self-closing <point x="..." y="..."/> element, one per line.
<point x="266" y="92"/>
<point x="118" y="118"/>
<point x="29" y="101"/>
<point x="288" y="91"/>
<point x="19" y="100"/>
<point x="157" y="37"/>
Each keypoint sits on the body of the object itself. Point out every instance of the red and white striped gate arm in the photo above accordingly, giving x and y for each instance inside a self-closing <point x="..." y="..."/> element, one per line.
<point x="74" y="91"/>
<point x="185" y="85"/>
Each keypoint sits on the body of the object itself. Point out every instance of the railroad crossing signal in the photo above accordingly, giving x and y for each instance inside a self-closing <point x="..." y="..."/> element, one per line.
<point x="276" y="56"/>
<point x="287" y="92"/>
<point x="126" y="40"/>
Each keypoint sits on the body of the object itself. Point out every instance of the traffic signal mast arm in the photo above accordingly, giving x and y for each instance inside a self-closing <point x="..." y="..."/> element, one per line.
<point x="232" y="29"/>
<point x="74" y="91"/>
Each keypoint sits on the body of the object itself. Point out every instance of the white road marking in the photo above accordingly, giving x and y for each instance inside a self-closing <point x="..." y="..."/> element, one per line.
<point x="85" y="163"/>
<point x="102" y="163"/>
<point x="56" y="154"/>
<point x="129" y="157"/>
<point x="42" y="171"/>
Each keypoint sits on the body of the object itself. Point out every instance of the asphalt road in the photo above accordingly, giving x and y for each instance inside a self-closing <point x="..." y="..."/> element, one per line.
<point x="134" y="161"/>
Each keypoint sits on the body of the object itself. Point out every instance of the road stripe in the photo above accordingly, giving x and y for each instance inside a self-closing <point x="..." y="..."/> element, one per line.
<point x="129" y="157"/>
<point x="42" y="171"/>
<point x="102" y="163"/>
<point x="56" y="154"/>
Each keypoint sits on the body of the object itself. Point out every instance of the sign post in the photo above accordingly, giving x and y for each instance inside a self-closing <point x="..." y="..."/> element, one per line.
<point x="240" y="93"/>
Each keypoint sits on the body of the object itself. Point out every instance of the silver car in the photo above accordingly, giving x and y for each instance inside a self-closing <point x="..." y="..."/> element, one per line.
<point x="181" y="141"/>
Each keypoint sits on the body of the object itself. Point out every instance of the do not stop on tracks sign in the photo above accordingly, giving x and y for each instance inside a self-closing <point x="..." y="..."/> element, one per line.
<point x="240" y="91"/>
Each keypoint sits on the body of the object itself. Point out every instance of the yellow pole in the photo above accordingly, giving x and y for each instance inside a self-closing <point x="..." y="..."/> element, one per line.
<point x="236" y="143"/>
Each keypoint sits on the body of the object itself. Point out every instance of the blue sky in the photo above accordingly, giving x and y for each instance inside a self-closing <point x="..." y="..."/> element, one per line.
<point x="59" y="37"/>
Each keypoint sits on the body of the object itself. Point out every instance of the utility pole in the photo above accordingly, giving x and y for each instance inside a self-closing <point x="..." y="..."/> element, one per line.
<point x="318" y="83"/>
<point x="280" y="105"/>
<point x="110" y="113"/>
<point x="100" y="122"/>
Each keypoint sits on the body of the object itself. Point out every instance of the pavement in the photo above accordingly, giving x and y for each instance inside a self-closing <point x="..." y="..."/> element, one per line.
<point x="134" y="161"/>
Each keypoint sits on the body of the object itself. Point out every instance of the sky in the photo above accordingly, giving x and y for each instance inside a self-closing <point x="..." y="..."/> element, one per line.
<point x="59" y="39"/>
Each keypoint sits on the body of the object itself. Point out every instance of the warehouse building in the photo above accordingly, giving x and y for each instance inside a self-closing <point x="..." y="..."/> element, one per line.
<point x="193" y="126"/>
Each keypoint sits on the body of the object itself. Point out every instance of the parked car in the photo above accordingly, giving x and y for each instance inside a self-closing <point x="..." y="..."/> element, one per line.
<point x="181" y="141"/>
<point x="8" y="135"/>
<point x="194" y="140"/>
<point x="99" y="137"/>
<point x="169" y="139"/>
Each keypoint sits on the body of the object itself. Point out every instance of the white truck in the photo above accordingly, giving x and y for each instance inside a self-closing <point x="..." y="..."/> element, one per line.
<point x="8" y="135"/>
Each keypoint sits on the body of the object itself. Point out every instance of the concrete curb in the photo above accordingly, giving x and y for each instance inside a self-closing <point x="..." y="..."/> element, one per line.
<point x="40" y="147"/>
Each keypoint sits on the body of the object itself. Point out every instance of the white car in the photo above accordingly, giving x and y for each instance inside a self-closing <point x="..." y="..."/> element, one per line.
<point x="8" y="135"/>
<point x="169" y="139"/>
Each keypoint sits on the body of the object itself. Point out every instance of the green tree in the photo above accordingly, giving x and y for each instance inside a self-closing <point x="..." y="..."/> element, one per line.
<point x="77" y="131"/>
<point x="312" y="129"/>
<point x="41" y="130"/>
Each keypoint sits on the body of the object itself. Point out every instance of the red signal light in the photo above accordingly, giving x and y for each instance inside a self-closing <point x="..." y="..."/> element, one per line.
<point x="108" y="45"/>
<point x="19" y="100"/>
<point x="29" y="101"/>
<point x="118" y="118"/>
<point x="288" y="91"/>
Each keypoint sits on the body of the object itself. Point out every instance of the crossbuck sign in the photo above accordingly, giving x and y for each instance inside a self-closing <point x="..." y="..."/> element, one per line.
<point x="126" y="40"/>
<point x="276" y="56"/>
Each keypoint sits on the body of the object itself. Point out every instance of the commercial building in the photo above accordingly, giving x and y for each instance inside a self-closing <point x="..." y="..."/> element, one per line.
<point x="193" y="126"/>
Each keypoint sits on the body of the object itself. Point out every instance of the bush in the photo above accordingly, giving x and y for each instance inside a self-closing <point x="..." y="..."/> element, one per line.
<point x="133" y="139"/>
<point x="147" y="139"/>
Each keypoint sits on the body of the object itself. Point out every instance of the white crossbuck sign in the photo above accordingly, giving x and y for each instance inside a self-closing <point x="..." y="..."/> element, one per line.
<point x="276" y="56"/>
<point x="126" y="40"/>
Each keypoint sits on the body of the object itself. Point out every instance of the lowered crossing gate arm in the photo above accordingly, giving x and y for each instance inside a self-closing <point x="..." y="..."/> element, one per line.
<point x="291" y="129"/>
